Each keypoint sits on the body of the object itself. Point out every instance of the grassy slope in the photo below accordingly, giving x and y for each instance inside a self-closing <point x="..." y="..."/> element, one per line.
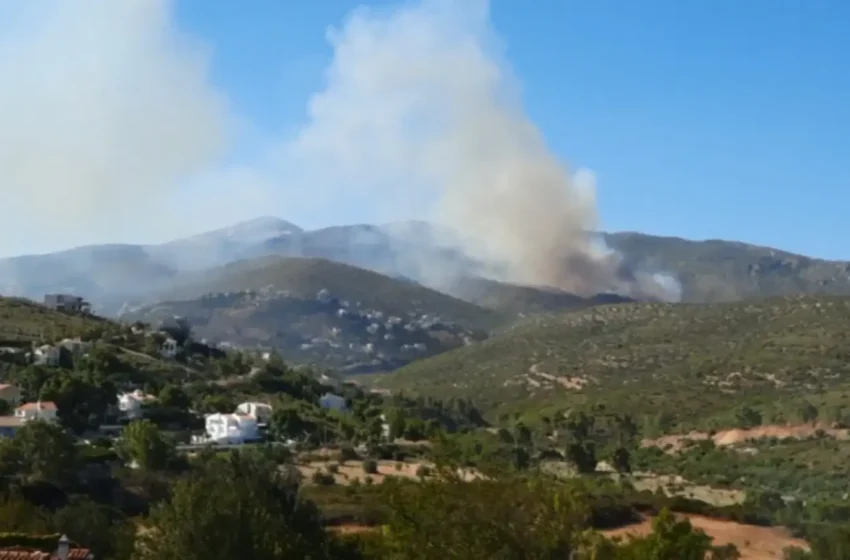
<point x="695" y="362"/>
<point x="305" y="277"/>
<point x="516" y="299"/>
<point x="714" y="270"/>
<point x="24" y="320"/>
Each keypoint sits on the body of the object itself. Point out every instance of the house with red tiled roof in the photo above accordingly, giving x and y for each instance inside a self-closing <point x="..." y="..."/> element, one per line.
<point x="64" y="551"/>
<point x="41" y="410"/>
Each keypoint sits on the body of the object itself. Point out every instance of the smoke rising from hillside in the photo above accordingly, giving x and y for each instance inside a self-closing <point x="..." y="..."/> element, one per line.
<point x="110" y="128"/>
<point x="420" y="110"/>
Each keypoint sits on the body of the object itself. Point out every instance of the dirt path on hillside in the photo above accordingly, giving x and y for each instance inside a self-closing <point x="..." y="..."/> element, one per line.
<point x="753" y="542"/>
<point x="722" y="438"/>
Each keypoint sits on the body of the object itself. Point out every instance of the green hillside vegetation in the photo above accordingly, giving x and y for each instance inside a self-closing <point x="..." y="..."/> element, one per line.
<point x="186" y="501"/>
<point x="715" y="270"/>
<point x="513" y="299"/>
<point x="24" y="320"/>
<point x="304" y="277"/>
<point x="813" y="469"/>
<point x="675" y="367"/>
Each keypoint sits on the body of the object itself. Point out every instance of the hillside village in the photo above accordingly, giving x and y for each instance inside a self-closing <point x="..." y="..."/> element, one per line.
<point x="170" y="342"/>
<point x="147" y="398"/>
<point x="325" y="330"/>
<point x="473" y="365"/>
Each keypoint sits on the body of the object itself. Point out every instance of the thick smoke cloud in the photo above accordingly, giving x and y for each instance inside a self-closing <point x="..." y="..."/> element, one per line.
<point x="420" y="110"/>
<point x="104" y="110"/>
<point x="110" y="128"/>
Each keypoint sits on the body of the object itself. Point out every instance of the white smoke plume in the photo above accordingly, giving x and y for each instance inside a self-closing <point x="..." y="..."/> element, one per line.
<point x="421" y="111"/>
<point x="105" y="108"/>
<point x="109" y="124"/>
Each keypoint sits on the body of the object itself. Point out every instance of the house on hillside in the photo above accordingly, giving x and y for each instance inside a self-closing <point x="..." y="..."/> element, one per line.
<point x="75" y="345"/>
<point x="46" y="355"/>
<point x="67" y="303"/>
<point x="329" y="401"/>
<point x="169" y="349"/>
<point x="385" y="427"/>
<point x="231" y="428"/>
<point x="9" y="425"/>
<point x="10" y="393"/>
<point x="41" y="410"/>
<point x="130" y="404"/>
<point x="328" y="381"/>
<point x="261" y="411"/>
<point x="28" y="549"/>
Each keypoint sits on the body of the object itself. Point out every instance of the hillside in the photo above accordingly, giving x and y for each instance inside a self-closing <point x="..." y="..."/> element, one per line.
<point x="305" y="277"/>
<point x="716" y="270"/>
<point x="685" y="366"/>
<point x="110" y="275"/>
<point x="26" y="321"/>
<point x="516" y="299"/>
<point x="323" y="313"/>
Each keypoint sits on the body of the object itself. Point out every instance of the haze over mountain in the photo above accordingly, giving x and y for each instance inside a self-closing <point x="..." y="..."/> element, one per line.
<point x="110" y="275"/>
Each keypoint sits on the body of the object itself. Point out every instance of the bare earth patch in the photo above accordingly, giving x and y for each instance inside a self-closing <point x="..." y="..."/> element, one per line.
<point x="352" y="529"/>
<point x="353" y="470"/>
<point x="535" y="376"/>
<point x="753" y="542"/>
<point x="674" y="485"/>
<point x="674" y="443"/>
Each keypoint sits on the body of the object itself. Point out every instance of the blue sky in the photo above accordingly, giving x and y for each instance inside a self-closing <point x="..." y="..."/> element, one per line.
<point x="712" y="119"/>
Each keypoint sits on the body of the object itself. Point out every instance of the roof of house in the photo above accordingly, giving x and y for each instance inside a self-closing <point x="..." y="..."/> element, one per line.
<point x="138" y="394"/>
<point x="18" y="553"/>
<point x="254" y="404"/>
<point x="10" y="422"/>
<point x="41" y="405"/>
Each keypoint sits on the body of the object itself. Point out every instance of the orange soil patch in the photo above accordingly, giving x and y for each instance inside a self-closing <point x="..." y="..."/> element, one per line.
<point x="735" y="436"/>
<point x="753" y="542"/>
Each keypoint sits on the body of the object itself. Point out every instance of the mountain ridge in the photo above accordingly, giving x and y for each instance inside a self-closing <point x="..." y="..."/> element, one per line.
<point x="112" y="274"/>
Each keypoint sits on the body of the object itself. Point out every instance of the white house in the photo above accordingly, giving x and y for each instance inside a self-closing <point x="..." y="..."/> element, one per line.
<point x="46" y="355"/>
<point x="332" y="402"/>
<point x="130" y="404"/>
<point x="37" y="411"/>
<point x="385" y="427"/>
<point x="261" y="411"/>
<point x="75" y="345"/>
<point x="169" y="348"/>
<point x="231" y="428"/>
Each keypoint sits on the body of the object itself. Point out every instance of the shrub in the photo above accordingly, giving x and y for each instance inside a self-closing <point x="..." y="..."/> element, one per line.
<point x="422" y="471"/>
<point x="323" y="479"/>
<point x="370" y="466"/>
<point x="347" y="453"/>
